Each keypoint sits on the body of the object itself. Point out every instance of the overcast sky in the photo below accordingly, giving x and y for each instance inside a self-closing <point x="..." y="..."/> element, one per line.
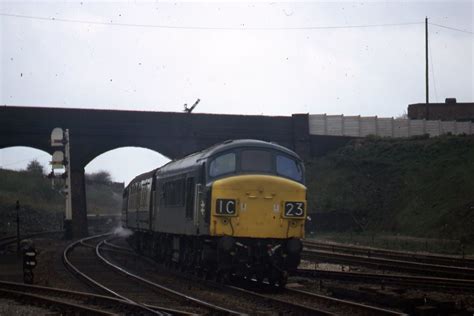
<point x="248" y="58"/>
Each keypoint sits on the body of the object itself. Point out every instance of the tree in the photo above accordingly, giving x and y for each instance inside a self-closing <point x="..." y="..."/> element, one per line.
<point x="101" y="176"/>
<point x="35" y="167"/>
<point x="404" y="115"/>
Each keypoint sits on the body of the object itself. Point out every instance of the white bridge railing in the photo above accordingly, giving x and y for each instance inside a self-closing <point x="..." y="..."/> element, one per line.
<point x="357" y="126"/>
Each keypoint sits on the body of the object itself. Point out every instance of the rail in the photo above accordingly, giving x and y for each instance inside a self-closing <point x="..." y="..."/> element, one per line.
<point x="62" y="295"/>
<point x="437" y="259"/>
<point x="390" y="264"/>
<point x="71" y="267"/>
<point x="448" y="284"/>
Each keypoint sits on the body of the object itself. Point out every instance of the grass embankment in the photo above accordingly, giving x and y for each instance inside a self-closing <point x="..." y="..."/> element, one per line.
<point x="42" y="206"/>
<point x="418" y="187"/>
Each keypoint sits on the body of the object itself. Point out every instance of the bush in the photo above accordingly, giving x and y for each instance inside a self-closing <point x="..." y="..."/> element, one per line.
<point x="34" y="167"/>
<point x="100" y="177"/>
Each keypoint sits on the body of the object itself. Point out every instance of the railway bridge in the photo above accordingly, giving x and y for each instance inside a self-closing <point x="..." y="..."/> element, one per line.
<point x="93" y="132"/>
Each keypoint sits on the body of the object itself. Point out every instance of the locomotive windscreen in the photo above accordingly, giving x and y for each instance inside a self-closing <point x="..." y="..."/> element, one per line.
<point x="289" y="168"/>
<point x="252" y="160"/>
<point x="256" y="160"/>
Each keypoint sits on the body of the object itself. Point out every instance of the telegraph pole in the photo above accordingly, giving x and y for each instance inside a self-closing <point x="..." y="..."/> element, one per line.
<point x="68" y="220"/>
<point x="427" y="70"/>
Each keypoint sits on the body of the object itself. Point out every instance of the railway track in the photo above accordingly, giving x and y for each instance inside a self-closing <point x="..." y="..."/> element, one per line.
<point x="352" y="307"/>
<point x="11" y="239"/>
<point x="68" y="302"/>
<point x="384" y="264"/>
<point x="302" y="302"/>
<point x="6" y="240"/>
<point x="287" y="301"/>
<point x="246" y="301"/>
<point x="88" y="263"/>
<point x="434" y="259"/>
<point x="427" y="283"/>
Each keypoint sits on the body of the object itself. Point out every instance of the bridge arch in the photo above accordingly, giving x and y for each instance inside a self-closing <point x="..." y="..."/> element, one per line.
<point x="18" y="157"/>
<point x="123" y="164"/>
<point x="136" y="159"/>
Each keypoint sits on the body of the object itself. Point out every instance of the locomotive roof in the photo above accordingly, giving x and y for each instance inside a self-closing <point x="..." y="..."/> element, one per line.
<point x="229" y="144"/>
<point x="192" y="161"/>
<point x="143" y="176"/>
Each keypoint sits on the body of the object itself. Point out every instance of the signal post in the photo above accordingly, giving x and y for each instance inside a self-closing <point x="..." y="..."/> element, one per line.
<point x="62" y="160"/>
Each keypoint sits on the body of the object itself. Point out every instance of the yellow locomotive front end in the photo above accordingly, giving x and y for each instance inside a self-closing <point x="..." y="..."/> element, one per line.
<point x="257" y="210"/>
<point x="258" y="206"/>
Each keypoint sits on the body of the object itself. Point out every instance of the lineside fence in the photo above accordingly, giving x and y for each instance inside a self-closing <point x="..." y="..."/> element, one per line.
<point x="357" y="126"/>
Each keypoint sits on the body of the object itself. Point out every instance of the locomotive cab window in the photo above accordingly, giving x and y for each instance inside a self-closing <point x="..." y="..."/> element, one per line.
<point x="256" y="160"/>
<point x="289" y="168"/>
<point x="222" y="165"/>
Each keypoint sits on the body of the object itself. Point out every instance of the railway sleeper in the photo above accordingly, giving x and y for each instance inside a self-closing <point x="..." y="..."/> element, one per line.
<point x="399" y="299"/>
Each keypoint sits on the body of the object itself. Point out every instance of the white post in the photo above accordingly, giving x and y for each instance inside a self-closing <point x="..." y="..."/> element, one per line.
<point x="62" y="158"/>
<point x="393" y="127"/>
<point x="376" y="125"/>
<point x="342" y="125"/>
<point x="325" y="124"/>
<point x="360" y="127"/>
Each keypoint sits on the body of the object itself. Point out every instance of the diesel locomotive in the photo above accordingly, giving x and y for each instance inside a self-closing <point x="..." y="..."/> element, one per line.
<point x="236" y="209"/>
